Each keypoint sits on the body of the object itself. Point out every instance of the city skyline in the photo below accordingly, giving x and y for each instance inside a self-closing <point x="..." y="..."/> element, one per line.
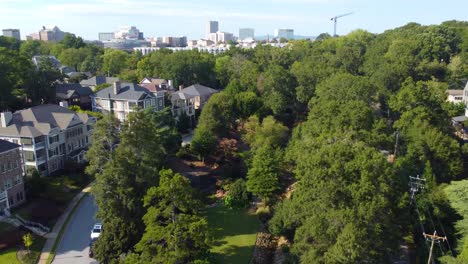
<point x="87" y="18"/>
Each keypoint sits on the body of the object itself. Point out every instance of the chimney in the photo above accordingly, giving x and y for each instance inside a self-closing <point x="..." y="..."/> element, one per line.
<point x="180" y="88"/>
<point x="5" y="118"/>
<point x="116" y="87"/>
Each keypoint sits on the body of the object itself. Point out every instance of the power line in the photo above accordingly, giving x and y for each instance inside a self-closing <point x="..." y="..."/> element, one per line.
<point x="442" y="227"/>
<point x="433" y="238"/>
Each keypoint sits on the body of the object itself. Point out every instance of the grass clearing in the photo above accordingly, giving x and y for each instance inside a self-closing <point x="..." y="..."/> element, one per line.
<point x="235" y="231"/>
<point x="9" y="256"/>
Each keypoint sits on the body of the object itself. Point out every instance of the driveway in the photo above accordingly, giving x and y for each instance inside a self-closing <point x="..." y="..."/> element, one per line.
<point x="74" y="245"/>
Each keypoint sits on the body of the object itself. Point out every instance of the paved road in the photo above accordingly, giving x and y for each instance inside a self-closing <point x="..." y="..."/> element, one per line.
<point x="74" y="245"/>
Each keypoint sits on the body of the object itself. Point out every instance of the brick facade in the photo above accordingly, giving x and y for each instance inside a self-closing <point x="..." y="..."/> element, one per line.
<point x="11" y="179"/>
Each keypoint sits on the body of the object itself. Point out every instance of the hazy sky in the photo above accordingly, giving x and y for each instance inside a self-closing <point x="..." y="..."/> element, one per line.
<point x="86" y="18"/>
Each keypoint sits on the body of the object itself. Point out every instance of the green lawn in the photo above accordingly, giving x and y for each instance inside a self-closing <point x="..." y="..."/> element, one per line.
<point x="234" y="234"/>
<point x="9" y="256"/>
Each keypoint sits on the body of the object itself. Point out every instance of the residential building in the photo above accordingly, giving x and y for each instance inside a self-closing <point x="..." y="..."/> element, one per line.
<point x="162" y="84"/>
<point x="190" y="98"/>
<point x="98" y="80"/>
<point x="211" y="27"/>
<point x="73" y="94"/>
<point x="455" y="96"/>
<point x="122" y="98"/>
<point x="11" y="176"/>
<point x="49" y="135"/>
<point x="106" y="36"/>
<point x="246" y="33"/>
<point x="284" y="33"/>
<point x="51" y="34"/>
<point x="146" y="50"/>
<point x="13" y="33"/>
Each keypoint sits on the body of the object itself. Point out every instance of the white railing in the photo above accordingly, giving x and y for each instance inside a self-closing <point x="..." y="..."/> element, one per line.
<point x="39" y="144"/>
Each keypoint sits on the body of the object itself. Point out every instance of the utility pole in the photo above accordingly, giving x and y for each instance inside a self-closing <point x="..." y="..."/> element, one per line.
<point x="416" y="184"/>
<point x="433" y="238"/>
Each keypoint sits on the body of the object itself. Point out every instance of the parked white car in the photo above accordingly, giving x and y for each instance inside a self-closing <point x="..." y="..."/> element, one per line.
<point x="96" y="231"/>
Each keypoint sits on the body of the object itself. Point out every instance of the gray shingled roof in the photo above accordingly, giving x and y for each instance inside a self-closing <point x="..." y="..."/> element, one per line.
<point x="97" y="80"/>
<point x="67" y="90"/>
<point x="39" y="120"/>
<point x="128" y="91"/>
<point x="6" y="146"/>
<point x="199" y="90"/>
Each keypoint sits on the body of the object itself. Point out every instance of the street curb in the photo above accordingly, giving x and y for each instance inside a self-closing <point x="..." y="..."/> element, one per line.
<point x="62" y="229"/>
<point x="48" y="250"/>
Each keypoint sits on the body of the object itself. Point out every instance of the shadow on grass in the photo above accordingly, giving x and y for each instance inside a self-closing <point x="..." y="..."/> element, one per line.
<point x="234" y="232"/>
<point x="233" y="255"/>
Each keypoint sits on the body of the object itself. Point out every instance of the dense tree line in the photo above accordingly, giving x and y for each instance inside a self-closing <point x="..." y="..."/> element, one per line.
<point x="325" y="112"/>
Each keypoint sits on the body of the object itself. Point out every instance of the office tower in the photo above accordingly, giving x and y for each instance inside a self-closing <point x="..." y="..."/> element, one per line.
<point x="284" y="33"/>
<point x="10" y="32"/>
<point x="211" y="27"/>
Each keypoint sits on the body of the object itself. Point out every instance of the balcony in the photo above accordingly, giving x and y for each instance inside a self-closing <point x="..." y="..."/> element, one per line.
<point x="3" y="196"/>
<point x="39" y="145"/>
<point x="40" y="160"/>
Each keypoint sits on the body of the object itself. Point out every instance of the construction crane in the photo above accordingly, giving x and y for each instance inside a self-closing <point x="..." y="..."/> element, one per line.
<point x="336" y="18"/>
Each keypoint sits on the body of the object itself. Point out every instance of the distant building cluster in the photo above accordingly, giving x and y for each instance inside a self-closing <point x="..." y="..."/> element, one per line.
<point x="47" y="34"/>
<point x="126" y="38"/>
<point x="130" y="38"/>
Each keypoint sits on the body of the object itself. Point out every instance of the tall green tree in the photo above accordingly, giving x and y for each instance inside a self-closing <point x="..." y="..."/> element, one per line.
<point x="175" y="231"/>
<point x="263" y="176"/>
<point x="124" y="179"/>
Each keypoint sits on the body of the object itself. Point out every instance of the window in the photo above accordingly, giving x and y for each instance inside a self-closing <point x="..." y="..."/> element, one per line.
<point x="28" y="155"/>
<point x="18" y="180"/>
<point x="7" y="184"/>
<point x="53" y="139"/>
<point x="160" y="103"/>
<point x="26" y="141"/>
<point x="2" y="167"/>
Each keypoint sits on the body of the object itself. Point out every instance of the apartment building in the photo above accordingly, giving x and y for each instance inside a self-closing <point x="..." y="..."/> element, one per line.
<point x="122" y="98"/>
<point x="49" y="135"/>
<point x="11" y="176"/>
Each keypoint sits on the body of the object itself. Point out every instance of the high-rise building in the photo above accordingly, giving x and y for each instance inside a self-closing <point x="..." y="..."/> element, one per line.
<point x="106" y="36"/>
<point x="284" y="33"/>
<point x="10" y="32"/>
<point x="211" y="27"/>
<point x="246" y="33"/>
